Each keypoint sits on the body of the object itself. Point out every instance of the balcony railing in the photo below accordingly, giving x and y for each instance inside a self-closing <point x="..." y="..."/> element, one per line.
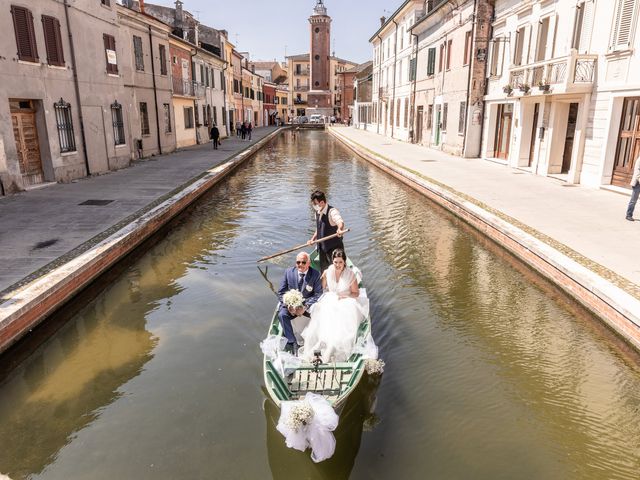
<point x="301" y="88"/>
<point x="566" y="71"/>
<point x="383" y="93"/>
<point x="302" y="72"/>
<point x="299" y="101"/>
<point x="182" y="87"/>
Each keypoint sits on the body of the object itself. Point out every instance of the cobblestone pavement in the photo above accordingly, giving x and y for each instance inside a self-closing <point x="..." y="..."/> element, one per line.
<point x="587" y="224"/>
<point x="39" y="228"/>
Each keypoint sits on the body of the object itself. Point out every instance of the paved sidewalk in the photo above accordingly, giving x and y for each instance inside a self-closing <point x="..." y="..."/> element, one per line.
<point x="586" y="224"/>
<point x="42" y="228"/>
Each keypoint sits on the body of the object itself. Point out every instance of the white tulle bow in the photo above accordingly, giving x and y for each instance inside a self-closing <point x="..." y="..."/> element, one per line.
<point x="318" y="434"/>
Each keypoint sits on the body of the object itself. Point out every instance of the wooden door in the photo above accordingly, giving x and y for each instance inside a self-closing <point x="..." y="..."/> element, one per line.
<point x="503" y="131"/>
<point x="27" y="146"/>
<point x="628" y="147"/>
<point x="436" y="139"/>
<point x="568" y="141"/>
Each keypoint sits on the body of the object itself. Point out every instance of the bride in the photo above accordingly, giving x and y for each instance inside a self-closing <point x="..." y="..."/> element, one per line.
<point x="335" y="318"/>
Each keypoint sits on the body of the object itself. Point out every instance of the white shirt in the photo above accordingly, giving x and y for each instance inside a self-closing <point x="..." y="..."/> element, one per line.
<point x="335" y="218"/>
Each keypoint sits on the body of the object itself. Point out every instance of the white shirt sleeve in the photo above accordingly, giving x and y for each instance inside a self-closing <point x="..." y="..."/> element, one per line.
<point x="335" y="218"/>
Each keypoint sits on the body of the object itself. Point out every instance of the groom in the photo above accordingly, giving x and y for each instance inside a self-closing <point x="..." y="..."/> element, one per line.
<point x="306" y="280"/>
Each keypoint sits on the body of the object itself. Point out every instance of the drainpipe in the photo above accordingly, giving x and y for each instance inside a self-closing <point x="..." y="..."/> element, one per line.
<point x="395" y="67"/>
<point x="413" y="96"/>
<point x="471" y="65"/>
<point x="77" y="87"/>
<point x="379" y="85"/>
<point x="155" y="89"/>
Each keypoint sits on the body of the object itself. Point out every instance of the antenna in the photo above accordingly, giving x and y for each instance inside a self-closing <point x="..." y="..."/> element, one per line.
<point x="236" y="35"/>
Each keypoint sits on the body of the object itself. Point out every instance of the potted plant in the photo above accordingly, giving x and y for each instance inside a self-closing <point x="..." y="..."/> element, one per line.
<point x="524" y="87"/>
<point x="544" y="87"/>
<point x="507" y="89"/>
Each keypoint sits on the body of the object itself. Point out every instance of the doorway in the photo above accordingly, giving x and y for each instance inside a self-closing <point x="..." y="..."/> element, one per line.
<point x="419" y="121"/>
<point x="568" y="141"/>
<point x="502" y="139"/>
<point x="25" y="132"/>
<point x="436" y="139"/>
<point x="628" y="147"/>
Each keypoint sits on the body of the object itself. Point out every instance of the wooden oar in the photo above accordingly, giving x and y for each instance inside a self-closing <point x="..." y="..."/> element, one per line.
<point x="301" y="246"/>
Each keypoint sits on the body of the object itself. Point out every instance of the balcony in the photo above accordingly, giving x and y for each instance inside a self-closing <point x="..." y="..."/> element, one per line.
<point x="182" y="87"/>
<point x="383" y="93"/>
<point x="301" y="88"/>
<point x="302" y="72"/>
<point x="299" y="101"/>
<point x="571" y="74"/>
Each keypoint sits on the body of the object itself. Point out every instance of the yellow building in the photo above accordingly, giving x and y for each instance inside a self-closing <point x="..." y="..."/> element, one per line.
<point x="282" y="103"/>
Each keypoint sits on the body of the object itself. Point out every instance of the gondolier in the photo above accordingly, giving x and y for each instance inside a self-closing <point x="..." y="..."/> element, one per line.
<point x="328" y="222"/>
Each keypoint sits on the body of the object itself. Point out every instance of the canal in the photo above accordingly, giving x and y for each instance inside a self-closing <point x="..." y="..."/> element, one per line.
<point x="155" y="373"/>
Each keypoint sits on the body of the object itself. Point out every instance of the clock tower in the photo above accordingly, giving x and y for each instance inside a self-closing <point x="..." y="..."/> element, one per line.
<point x="319" y="97"/>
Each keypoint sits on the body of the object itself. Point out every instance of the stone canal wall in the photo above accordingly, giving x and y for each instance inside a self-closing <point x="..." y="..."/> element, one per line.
<point x="616" y="307"/>
<point x="29" y="305"/>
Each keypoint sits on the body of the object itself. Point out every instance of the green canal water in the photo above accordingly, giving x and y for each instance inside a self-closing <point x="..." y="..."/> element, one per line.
<point x="155" y="373"/>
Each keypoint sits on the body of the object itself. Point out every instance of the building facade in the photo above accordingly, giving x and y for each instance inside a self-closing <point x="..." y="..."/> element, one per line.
<point x="363" y="97"/>
<point x="446" y="101"/>
<point x="54" y="126"/>
<point x="269" y="110"/>
<point x="282" y="103"/>
<point x="392" y="63"/>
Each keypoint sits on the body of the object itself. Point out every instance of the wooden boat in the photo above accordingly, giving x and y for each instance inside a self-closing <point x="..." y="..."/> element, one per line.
<point x="334" y="381"/>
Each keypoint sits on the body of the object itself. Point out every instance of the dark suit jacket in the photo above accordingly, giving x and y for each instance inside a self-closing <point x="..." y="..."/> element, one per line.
<point x="311" y="279"/>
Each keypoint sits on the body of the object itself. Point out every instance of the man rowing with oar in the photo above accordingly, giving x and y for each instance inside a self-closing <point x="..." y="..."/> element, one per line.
<point x="328" y="222"/>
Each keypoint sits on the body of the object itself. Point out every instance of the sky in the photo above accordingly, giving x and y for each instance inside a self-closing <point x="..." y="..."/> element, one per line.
<point x="265" y="28"/>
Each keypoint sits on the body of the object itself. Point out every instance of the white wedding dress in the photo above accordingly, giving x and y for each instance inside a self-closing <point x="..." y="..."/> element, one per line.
<point x="334" y="321"/>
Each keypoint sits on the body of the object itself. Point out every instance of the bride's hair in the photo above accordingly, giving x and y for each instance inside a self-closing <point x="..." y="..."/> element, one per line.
<point x="338" y="252"/>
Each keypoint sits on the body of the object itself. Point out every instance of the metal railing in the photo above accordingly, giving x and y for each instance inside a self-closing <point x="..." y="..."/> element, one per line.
<point x="301" y="88"/>
<point x="302" y="71"/>
<point x="569" y="70"/>
<point x="182" y="87"/>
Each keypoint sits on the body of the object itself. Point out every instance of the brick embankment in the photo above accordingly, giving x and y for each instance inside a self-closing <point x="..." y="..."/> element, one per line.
<point x="612" y="298"/>
<point x="23" y="307"/>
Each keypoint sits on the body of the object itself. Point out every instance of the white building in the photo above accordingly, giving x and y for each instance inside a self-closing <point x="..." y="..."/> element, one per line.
<point x="392" y="62"/>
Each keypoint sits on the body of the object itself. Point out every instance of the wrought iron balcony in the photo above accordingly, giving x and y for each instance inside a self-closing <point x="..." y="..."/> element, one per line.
<point x="301" y="88"/>
<point x="299" y="101"/>
<point x="571" y="73"/>
<point x="304" y="72"/>
<point x="182" y="87"/>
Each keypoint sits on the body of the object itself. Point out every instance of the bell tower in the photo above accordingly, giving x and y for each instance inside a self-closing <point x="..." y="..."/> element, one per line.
<point x="319" y="97"/>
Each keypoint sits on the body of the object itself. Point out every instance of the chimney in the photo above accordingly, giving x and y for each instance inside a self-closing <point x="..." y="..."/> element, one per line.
<point x="179" y="14"/>
<point x="382" y="20"/>
<point x="141" y="3"/>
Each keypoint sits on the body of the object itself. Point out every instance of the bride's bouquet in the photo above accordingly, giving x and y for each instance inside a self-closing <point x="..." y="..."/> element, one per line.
<point x="293" y="298"/>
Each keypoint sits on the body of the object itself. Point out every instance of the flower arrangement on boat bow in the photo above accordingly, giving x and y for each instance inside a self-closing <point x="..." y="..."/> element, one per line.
<point x="300" y="416"/>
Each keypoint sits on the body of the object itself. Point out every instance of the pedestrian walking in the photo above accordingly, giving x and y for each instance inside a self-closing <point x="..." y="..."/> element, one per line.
<point x="635" y="192"/>
<point x="214" y="135"/>
<point x="249" y="130"/>
<point x="243" y="130"/>
<point x="238" y="129"/>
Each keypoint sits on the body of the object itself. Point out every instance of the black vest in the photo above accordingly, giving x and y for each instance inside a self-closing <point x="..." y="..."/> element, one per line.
<point x="324" y="229"/>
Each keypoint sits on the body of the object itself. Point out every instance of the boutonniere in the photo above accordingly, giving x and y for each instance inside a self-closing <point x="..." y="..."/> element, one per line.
<point x="309" y="288"/>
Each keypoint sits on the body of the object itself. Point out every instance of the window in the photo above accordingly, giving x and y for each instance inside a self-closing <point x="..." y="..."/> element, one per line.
<point x="429" y="116"/>
<point x="25" y="34"/>
<point x="441" y="57"/>
<point x="213" y="79"/>
<point x="139" y="55"/>
<point x="144" y="118"/>
<point x="64" y="122"/>
<point x="517" y="54"/>
<point x="197" y="115"/>
<point x="235" y="85"/>
<point x="431" y="61"/>
<point x="188" y="117"/>
<point x="215" y="115"/>
<point x="623" y="20"/>
<point x="224" y="116"/>
<point x="53" y="40"/>
<point x="405" y="121"/>
<point x="167" y="118"/>
<point x="398" y="103"/>
<point x="118" y="123"/>
<point x="205" y="114"/>
<point x="202" y="76"/>
<point x="462" y="118"/>
<point x="110" y="54"/>
<point x="543" y="34"/>
<point x="495" y="57"/>
<point x="221" y="79"/>
<point x="106" y="3"/>
<point x="163" y="59"/>
<point x="445" y="111"/>
<point x="468" y="44"/>
<point x="391" y="110"/>
<point x="449" y="45"/>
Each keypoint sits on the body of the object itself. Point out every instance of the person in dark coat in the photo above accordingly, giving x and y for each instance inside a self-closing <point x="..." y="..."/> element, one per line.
<point x="249" y="130"/>
<point x="243" y="130"/>
<point x="328" y="222"/>
<point x="214" y="135"/>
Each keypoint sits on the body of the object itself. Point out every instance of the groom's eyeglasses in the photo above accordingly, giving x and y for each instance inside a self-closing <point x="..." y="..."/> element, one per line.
<point x="298" y="262"/>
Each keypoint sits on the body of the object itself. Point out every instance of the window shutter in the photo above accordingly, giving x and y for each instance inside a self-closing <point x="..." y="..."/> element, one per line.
<point x="25" y="34"/>
<point x="587" y="26"/>
<point x="110" y="44"/>
<point x="52" y="40"/>
<point x="621" y="34"/>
